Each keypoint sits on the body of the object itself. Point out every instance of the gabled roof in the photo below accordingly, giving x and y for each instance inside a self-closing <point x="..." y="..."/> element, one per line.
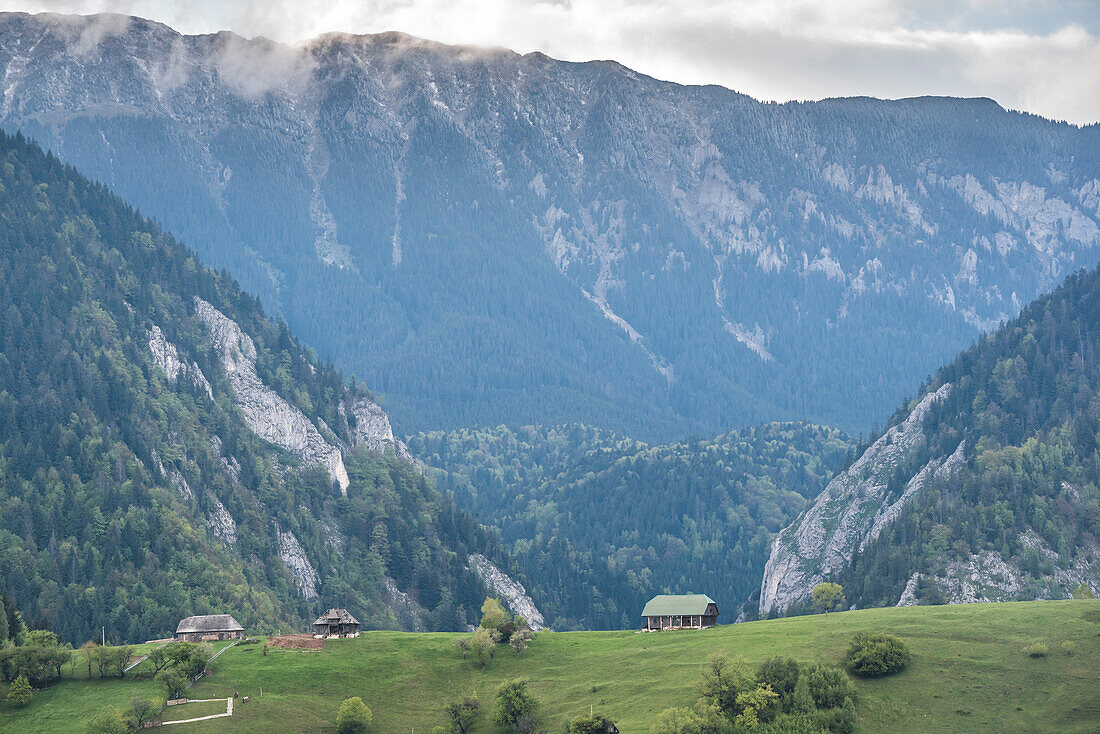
<point x="673" y="604"/>
<point x="209" y="623"/>
<point x="336" y="616"/>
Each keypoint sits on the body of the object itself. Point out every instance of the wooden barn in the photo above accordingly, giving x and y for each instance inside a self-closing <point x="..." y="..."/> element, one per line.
<point x="209" y="628"/>
<point x="680" y="611"/>
<point x="336" y="623"/>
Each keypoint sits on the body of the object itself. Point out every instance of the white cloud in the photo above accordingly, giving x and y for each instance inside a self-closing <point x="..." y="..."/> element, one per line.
<point x="1039" y="57"/>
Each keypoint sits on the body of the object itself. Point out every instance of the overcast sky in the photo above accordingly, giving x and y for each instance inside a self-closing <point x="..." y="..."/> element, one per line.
<point x="1042" y="56"/>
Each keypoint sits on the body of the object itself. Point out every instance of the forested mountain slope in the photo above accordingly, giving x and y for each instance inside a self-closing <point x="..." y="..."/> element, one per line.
<point x="984" y="488"/>
<point x="491" y="238"/>
<point x="599" y="523"/>
<point x="167" y="450"/>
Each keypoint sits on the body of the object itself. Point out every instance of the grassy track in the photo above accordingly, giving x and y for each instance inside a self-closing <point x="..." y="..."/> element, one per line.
<point x="968" y="674"/>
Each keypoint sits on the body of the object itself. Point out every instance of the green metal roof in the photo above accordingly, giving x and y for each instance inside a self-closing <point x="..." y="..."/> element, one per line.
<point x="672" y="604"/>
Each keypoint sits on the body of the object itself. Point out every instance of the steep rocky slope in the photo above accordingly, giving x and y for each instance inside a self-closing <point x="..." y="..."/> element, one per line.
<point x="985" y="488"/>
<point x="642" y="256"/>
<point x="166" y="449"/>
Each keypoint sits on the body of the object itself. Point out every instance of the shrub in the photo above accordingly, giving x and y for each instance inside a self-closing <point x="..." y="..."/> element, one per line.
<point x="514" y="703"/>
<point x="779" y="673"/>
<point x="20" y="691"/>
<point x="354" y="716"/>
<point x="1037" y="649"/>
<point x="874" y="655"/>
<point x="1084" y="591"/>
<point x="828" y="686"/>
<point x="594" y="723"/>
<point x="1068" y="647"/>
<point x="110" y="721"/>
<point x="484" y="646"/>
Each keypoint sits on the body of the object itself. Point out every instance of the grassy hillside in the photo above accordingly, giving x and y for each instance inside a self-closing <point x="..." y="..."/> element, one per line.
<point x="968" y="673"/>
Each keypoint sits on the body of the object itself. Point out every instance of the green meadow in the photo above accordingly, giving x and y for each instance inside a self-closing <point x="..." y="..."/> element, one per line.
<point x="968" y="673"/>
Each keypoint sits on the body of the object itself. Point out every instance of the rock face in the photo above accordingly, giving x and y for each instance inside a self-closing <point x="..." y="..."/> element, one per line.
<point x="222" y="523"/>
<point x="370" y="426"/>
<point x="851" y="512"/>
<point x="268" y="414"/>
<point x="404" y="607"/>
<point x="296" y="560"/>
<point x="166" y="356"/>
<point x="794" y="237"/>
<point x="511" y="591"/>
<point x="989" y="577"/>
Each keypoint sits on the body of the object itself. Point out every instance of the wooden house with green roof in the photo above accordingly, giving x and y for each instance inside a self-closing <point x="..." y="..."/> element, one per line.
<point x="680" y="611"/>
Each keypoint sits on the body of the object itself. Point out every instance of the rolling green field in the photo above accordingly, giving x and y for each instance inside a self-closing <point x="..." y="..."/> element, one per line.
<point x="969" y="673"/>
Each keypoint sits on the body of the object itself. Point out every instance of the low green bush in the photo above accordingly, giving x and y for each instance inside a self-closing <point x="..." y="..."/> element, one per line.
<point x="1037" y="649"/>
<point x="876" y="655"/>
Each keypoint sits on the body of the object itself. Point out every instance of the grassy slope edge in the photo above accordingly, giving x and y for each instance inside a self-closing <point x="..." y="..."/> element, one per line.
<point x="969" y="673"/>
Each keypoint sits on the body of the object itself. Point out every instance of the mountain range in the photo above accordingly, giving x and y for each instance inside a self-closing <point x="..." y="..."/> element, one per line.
<point x="486" y="237"/>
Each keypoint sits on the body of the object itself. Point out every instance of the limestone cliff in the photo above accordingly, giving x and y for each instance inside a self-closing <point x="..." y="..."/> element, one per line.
<point x="851" y="512"/>
<point x="267" y="413"/>
<point x="511" y="591"/>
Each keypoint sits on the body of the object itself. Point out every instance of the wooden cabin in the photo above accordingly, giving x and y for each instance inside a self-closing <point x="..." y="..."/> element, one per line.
<point x="209" y="628"/>
<point x="336" y="623"/>
<point x="680" y="611"/>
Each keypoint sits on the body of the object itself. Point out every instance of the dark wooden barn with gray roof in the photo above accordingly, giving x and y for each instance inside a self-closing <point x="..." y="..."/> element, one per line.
<point x="209" y="628"/>
<point x="336" y="623"/>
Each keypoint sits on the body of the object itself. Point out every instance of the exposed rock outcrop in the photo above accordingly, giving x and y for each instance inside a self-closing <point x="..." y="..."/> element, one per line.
<point x="370" y="426"/>
<point x="167" y="357"/>
<point x="510" y="590"/>
<point x="852" y="510"/>
<point x="408" y="612"/>
<point x="296" y="560"/>
<point x="266" y="412"/>
<point x="989" y="577"/>
<point x="222" y="523"/>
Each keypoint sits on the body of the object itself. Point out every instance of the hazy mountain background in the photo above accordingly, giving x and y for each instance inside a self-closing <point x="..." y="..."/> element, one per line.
<point x="491" y="238"/>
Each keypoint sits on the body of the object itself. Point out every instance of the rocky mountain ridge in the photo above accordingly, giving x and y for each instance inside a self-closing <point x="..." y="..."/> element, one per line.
<point x="728" y="260"/>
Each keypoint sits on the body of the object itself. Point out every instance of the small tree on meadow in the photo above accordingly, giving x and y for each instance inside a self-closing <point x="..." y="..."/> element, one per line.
<point x="463" y="714"/>
<point x="354" y="717"/>
<point x="484" y="646"/>
<point x="514" y="703"/>
<point x="142" y="710"/>
<point x="20" y="691"/>
<point x="493" y="615"/>
<point x="463" y="645"/>
<point x="593" y="723"/>
<point x="828" y="596"/>
<point x="519" y="640"/>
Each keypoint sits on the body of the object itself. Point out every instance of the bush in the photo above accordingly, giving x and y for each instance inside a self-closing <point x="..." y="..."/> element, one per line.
<point x="875" y="655"/>
<point x="514" y="703"/>
<point x="110" y="721"/>
<point x="1068" y="647"/>
<point x="828" y="686"/>
<point x="1084" y="591"/>
<point x="779" y="673"/>
<point x="594" y="723"/>
<point x="1037" y="649"/>
<point x="354" y="716"/>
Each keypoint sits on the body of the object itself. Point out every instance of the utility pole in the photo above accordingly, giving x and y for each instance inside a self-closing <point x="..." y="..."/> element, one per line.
<point x="103" y="637"/>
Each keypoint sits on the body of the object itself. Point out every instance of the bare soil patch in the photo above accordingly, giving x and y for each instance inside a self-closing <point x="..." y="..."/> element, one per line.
<point x="297" y="642"/>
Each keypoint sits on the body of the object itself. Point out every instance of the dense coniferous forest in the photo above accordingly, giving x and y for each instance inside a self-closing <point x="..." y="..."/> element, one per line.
<point x="599" y="523"/>
<point x="112" y="474"/>
<point x="1026" y="402"/>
